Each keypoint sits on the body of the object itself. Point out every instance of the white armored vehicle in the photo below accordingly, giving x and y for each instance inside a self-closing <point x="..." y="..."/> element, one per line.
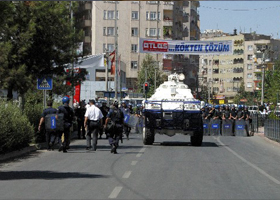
<point x="173" y="109"/>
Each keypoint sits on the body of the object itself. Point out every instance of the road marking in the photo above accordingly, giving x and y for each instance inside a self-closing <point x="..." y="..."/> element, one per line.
<point x="126" y="174"/>
<point x="140" y="152"/>
<point x="115" y="192"/>
<point x="134" y="162"/>
<point x="249" y="163"/>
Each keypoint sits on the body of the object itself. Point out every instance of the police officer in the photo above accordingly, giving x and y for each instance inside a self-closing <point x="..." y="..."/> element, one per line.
<point x="226" y="113"/>
<point x="125" y="111"/>
<point x="68" y="119"/>
<point x="210" y="113"/>
<point x="50" y="135"/>
<point x="116" y="115"/>
<point x="233" y="114"/>
<point x="247" y="118"/>
<point x="130" y="108"/>
<point x="93" y="121"/>
<point x="240" y="114"/>
<point x="80" y="114"/>
<point x="217" y="112"/>
<point x="104" y="109"/>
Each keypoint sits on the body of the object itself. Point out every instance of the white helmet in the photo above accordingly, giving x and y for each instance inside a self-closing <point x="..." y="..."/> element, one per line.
<point x="116" y="102"/>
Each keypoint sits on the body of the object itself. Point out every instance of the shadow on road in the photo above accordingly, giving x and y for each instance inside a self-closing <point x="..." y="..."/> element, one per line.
<point x="177" y="143"/>
<point x="122" y="146"/>
<point x="47" y="175"/>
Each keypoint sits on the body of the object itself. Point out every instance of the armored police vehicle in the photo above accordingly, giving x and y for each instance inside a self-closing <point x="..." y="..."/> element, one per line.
<point x="171" y="110"/>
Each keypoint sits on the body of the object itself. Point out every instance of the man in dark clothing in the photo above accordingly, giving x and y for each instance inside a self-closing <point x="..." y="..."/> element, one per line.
<point x="233" y="114"/>
<point x="226" y="113"/>
<point x="104" y="109"/>
<point x="125" y="111"/>
<point x="210" y="113"/>
<point x="80" y="114"/>
<point x="130" y="108"/>
<point x="50" y="135"/>
<point x="247" y="118"/>
<point x="240" y="114"/>
<point x="68" y="119"/>
<point x="116" y="115"/>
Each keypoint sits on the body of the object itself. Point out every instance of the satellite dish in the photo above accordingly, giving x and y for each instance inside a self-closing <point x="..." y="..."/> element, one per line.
<point x="181" y="77"/>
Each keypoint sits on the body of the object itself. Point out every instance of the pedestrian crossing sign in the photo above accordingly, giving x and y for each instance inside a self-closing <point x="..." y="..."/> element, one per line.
<point x="44" y="83"/>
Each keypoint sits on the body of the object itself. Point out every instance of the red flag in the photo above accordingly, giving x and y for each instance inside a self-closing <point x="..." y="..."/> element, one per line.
<point x="113" y="62"/>
<point x="119" y="64"/>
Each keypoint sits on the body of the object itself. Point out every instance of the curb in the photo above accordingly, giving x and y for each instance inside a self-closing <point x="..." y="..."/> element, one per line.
<point x="19" y="153"/>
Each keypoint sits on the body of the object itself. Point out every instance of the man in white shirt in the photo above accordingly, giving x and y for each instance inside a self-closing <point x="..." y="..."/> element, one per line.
<point x="93" y="121"/>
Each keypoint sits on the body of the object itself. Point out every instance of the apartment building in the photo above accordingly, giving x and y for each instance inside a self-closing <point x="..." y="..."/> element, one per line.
<point x="141" y="19"/>
<point x="223" y="74"/>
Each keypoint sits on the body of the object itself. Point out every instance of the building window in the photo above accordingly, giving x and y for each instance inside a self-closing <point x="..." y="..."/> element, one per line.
<point x="134" y="65"/>
<point x="110" y="14"/>
<point x="134" y="1"/>
<point x="249" y="66"/>
<point x="110" y="31"/>
<point x="250" y="57"/>
<point x="153" y="15"/>
<point x="249" y="75"/>
<point x="249" y="85"/>
<point x="134" y="15"/>
<point x="134" y="48"/>
<point x="110" y="47"/>
<point x="104" y="30"/>
<point x="152" y="2"/>
<point x="134" y="31"/>
<point x="153" y="32"/>
<point x="250" y="47"/>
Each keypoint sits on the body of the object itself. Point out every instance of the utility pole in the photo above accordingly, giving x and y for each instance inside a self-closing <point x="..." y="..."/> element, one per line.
<point x="106" y="69"/>
<point x="116" y="53"/>
<point x="72" y="73"/>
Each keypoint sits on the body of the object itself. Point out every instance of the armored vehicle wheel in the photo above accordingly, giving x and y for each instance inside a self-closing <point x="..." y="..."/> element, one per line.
<point x="196" y="139"/>
<point x="148" y="136"/>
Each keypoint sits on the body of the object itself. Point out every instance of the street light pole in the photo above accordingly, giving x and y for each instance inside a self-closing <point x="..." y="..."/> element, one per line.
<point x="262" y="97"/>
<point x="116" y="53"/>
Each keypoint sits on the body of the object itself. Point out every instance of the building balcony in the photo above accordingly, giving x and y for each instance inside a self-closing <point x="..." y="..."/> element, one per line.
<point x="88" y="6"/>
<point x="168" y="5"/>
<point x="87" y="39"/>
<point x="185" y="17"/>
<point x="87" y="23"/>
<point x="186" y="3"/>
<point x="167" y="22"/>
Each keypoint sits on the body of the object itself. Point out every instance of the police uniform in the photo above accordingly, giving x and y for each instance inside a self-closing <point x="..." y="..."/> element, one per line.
<point x="104" y="110"/>
<point x="94" y="116"/>
<point x="126" y="128"/>
<point x="117" y="116"/>
<point x="233" y="116"/>
<point x="50" y="135"/>
<point x="68" y="119"/>
<point x="80" y="113"/>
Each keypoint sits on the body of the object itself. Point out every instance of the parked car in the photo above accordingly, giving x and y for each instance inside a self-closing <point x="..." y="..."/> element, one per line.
<point x="253" y="109"/>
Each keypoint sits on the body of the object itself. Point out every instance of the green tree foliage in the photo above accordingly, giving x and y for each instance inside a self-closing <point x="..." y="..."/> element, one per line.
<point x="149" y="64"/>
<point x="272" y="84"/>
<point x="242" y="94"/>
<point x="16" y="131"/>
<point x="38" y="38"/>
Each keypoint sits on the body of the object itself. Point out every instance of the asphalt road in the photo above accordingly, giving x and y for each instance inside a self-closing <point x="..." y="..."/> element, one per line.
<point x="222" y="168"/>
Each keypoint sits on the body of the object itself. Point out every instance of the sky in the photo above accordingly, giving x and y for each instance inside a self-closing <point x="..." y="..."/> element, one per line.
<point x="260" y="16"/>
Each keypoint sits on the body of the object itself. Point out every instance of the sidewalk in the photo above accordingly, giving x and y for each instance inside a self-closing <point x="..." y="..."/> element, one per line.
<point x="260" y="131"/>
<point x="31" y="148"/>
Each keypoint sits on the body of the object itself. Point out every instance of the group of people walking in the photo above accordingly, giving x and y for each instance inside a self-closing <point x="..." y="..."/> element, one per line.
<point x="91" y="122"/>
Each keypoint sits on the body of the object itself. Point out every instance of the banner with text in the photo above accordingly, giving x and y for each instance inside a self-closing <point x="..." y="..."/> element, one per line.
<point x="222" y="47"/>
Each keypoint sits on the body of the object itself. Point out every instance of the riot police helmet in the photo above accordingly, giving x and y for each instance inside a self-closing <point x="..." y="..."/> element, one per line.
<point x="116" y="103"/>
<point x="65" y="100"/>
<point x="217" y="106"/>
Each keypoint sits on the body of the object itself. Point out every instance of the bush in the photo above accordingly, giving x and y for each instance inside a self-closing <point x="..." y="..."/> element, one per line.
<point x="33" y="109"/>
<point x="16" y="131"/>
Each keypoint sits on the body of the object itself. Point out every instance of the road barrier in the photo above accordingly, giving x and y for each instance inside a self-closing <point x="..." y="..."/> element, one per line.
<point x="239" y="128"/>
<point x="227" y="127"/>
<point x="206" y="129"/>
<point x="215" y="127"/>
<point x="272" y="129"/>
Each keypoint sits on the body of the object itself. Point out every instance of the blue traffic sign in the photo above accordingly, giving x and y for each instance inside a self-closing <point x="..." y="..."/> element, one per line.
<point x="45" y="83"/>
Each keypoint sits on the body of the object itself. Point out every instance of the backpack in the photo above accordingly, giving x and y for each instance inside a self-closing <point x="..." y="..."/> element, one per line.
<point x="53" y="124"/>
<point x="117" y="116"/>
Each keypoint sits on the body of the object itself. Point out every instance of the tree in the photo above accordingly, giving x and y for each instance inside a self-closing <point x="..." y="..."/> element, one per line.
<point x="242" y="94"/>
<point x="148" y="67"/>
<point x="272" y="84"/>
<point x="39" y="39"/>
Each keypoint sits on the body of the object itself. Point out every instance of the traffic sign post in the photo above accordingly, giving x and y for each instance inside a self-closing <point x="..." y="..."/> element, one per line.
<point x="44" y="84"/>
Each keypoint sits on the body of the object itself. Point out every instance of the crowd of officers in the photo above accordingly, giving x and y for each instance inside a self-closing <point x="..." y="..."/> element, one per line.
<point x="92" y="120"/>
<point x="226" y="112"/>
